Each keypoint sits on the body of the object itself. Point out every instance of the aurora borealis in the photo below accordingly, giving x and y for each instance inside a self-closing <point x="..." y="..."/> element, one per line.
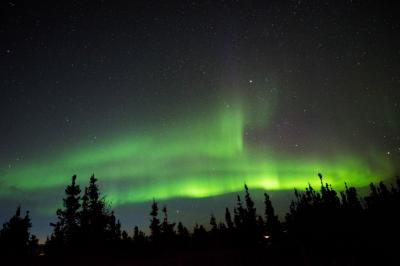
<point x="203" y="158"/>
<point x="186" y="101"/>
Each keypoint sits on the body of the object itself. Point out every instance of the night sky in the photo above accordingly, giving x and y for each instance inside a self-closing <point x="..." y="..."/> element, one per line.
<point x="185" y="101"/>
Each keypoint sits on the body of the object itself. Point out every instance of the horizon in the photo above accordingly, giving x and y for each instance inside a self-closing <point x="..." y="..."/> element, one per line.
<point x="178" y="212"/>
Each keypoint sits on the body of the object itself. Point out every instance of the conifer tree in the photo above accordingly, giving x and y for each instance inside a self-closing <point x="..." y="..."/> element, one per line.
<point x="199" y="235"/>
<point x="155" y="229"/>
<point x="113" y="228"/>
<point x="213" y="223"/>
<point x="138" y="236"/>
<point x="167" y="228"/>
<point x="352" y="200"/>
<point x="228" y="219"/>
<point x="272" y="223"/>
<point x="98" y="217"/>
<point x="183" y="232"/>
<point x="239" y="213"/>
<point x="125" y="237"/>
<point x="98" y="221"/>
<point x="70" y="214"/>
<point x="15" y="238"/>
<point x="215" y="232"/>
<point x="65" y="232"/>
<point x="250" y="213"/>
<point x="85" y="230"/>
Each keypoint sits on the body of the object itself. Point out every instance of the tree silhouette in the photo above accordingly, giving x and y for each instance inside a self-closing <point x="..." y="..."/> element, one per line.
<point x="167" y="229"/>
<point x="85" y="225"/>
<point x="228" y="219"/>
<point x="68" y="217"/>
<point x="351" y="200"/>
<point x="272" y="224"/>
<point x="213" y="223"/>
<point x="97" y="212"/>
<point x="199" y="236"/>
<point x="114" y="228"/>
<point x="182" y="230"/>
<point x="183" y="235"/>
<point x="138" y="236"/>
<point x="251" y="232"/>
<point x="16" y="242"/>
<point x="101" y="227"/>
<point x="239" y="213"/>
<point x="321" y="228"/>
<point x="65" y="232"/>
<point x="250" y="213"/>
<point x="155" y="228"/>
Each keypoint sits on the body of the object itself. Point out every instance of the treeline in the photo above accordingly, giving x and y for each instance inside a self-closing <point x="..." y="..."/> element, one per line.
<point x="322" y="227"/>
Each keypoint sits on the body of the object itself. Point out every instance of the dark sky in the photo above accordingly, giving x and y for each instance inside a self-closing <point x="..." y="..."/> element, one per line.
<point x="186" y="100"/>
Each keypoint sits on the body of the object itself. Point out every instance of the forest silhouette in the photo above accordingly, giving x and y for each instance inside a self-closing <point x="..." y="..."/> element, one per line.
<point x="322" y="227"/>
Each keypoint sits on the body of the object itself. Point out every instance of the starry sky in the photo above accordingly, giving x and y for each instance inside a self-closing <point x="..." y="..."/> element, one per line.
<point x="185" y="101"/>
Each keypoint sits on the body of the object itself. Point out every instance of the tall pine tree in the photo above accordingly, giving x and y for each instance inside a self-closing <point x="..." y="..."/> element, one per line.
<point x="15" y="239"/>
<point x="155" y="229"/>
<point x="66" y="229"/>
<point x="272" y="224"/>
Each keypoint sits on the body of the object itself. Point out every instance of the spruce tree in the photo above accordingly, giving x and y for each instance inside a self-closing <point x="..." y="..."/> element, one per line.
<point x="66" y="229"/>
<point x="167" y="228"/>
<point x="228" y="219"/>
<point x="250" y="213"/>
<point x="70" y="214"/>
<point x="155" y="229"/>
<point x="85" y="233"/>
<point x="213" y="223"/>
<point x="15" y="239"/>
<point x="239" y="213"/>
<point x="272" y="223"/>
<point x="352" y="200"/>
<point x="199" y="235"/>
<point x="182" y="231"/>
<point x="97" y="213"/>
<point x="113" y="228"/>
<point x="138" y="236"/>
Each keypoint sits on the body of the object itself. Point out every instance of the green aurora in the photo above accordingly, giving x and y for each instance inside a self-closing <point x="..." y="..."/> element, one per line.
<point x="202" y="157"/>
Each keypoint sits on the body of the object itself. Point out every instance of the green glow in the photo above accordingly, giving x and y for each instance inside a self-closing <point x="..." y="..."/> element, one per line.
<point x="195" y="158"/>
